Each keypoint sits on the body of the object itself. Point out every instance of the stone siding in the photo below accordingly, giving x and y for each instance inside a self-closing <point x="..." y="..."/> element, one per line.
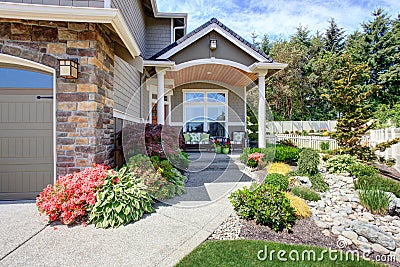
<point x="85" y="124"/>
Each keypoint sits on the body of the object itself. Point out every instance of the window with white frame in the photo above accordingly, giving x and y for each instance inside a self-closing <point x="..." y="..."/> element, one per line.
<point x="178" y="28"/>
<point x="205" y="111"/>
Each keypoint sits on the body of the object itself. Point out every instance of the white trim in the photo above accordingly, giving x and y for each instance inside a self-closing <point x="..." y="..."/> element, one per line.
<point x="177" y="123"/>
<point x="212" y="60"/>
<point x="34" y="65"/>
<point x="125" y="116"/>
<point x="158" y="14"/>
<point x="155" y="63"/>
<point x="24" y="62"/>
<point x="73" y="14"/>
<point x="263" y="67"/>
<point x="203" y="32"/>
<point x="237" y="123"/>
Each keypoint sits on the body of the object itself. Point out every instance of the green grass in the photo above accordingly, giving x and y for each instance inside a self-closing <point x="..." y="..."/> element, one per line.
<point x="244" y="253"/>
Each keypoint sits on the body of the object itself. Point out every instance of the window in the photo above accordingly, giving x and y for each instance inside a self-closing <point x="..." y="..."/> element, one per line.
<point x="16" y="78"/>
<point x="205" y="112"/>
<point x="178" y="28"/>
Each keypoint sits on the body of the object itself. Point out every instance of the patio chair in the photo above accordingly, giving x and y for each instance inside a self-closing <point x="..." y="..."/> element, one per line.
<point x="238" y="140"/>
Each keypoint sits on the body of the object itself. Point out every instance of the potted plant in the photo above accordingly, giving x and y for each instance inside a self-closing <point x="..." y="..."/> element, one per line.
<point x="217" y="147"/>
<point x="226" y="147"/>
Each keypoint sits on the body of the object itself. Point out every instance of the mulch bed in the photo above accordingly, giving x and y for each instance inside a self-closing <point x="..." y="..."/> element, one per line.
<point x="304" y="232"/>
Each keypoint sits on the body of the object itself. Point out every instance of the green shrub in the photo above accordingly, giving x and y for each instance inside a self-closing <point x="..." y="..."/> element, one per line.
<point x="278" y="180"/>
<point x="318" y="182"/>
<point x="340" y="163"/>
<point x="325" y="157"/>
<point x="287" y="142"/>
<point x="286" y="154"/>
<point x="268" y="153"/>
<point x="179" y="160"/>
<point x="360" y="169"/>
<point x="324" y="145"/>
<point x="374" y="199"/>
<point x="252" y="163"/>
<point x="308" y="161"/>
<point x="122" y="199"/>
<point x="265" y="204"/>
<point x="305" y="193"/>
<point x="163" y="181"/>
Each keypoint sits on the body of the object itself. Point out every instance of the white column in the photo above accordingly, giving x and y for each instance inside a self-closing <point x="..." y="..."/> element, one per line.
<point x="160" y="97"/>
<point x="261" y="111"/>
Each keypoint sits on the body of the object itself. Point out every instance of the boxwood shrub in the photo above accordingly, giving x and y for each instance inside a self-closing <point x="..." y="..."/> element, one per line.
<point x="277" y="180"/>
<point x="266" y="204"/>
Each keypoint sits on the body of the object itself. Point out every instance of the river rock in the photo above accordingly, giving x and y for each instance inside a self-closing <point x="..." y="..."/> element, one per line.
<point x="303" y="181"/>
<point x="374" y="234"/>
<point x="380" y="249"/>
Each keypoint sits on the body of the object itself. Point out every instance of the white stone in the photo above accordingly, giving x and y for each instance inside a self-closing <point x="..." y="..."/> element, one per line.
<point x="350" y="235"/>
<point x="380" y="249"/>
<point x="326" y="232"/>
<point x="321" y="224"/>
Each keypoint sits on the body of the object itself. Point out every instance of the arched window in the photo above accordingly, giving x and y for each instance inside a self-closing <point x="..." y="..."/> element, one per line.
<point x="18" y="78"/>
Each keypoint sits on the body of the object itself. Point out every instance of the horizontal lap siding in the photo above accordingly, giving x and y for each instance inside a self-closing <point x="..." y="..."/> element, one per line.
<point x="126" y="88"/>
<point x="132" y="11"/>
<point x="77" y="3"/>
<point x="158" y="35"/>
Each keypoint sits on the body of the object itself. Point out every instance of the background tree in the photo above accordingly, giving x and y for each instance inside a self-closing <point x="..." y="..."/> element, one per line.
<point x="334" y="38"/>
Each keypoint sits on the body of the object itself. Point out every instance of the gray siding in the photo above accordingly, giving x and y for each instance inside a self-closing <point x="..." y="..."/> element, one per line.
<point x="201" y="49"/>
<point x="126" y="88"/>
<point x="132" y="11"/>
<point x="158" y="35"/>
<point x="77" y="3"/>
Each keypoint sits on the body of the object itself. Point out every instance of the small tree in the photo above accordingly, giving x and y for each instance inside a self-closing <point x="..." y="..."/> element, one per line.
<point x="350" y="96"/>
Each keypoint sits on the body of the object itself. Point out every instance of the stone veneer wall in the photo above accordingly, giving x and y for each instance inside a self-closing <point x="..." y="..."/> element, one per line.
<point x="85" y="125"/>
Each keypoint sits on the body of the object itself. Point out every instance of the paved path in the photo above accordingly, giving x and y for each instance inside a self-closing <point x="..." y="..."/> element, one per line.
<point x="160" y="239"/>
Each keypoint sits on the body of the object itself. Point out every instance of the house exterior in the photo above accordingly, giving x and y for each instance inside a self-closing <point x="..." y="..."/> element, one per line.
<point x="135" y="64"/>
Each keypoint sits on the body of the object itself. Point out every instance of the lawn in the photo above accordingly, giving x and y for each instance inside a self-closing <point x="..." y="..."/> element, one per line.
<point x="247" y="253"/>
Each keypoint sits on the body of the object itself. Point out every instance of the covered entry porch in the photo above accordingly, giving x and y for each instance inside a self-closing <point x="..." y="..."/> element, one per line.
<point x="206" y="82"/>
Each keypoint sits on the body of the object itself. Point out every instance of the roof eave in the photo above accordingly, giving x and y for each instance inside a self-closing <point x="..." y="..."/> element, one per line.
<point x="73" y="14"/>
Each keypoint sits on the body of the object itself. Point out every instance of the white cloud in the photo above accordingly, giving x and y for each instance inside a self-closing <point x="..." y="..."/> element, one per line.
<point x="277" y="17"/>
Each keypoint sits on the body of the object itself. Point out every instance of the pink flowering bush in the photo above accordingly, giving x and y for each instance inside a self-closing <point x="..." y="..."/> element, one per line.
<point x="254" y="159"/>
<point x="71" y="196"/>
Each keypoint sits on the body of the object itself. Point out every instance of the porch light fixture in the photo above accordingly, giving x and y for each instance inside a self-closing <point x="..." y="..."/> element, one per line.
<point x="213" y="44"/>
<point x="69" y="68"/>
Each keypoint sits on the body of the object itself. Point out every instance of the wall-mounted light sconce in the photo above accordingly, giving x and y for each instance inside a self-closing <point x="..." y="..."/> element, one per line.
<point x="213" y="44"/>
<point x="69" y="68"/>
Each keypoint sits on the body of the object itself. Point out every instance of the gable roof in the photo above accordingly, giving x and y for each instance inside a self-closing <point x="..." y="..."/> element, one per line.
<point x="196" y="34"/>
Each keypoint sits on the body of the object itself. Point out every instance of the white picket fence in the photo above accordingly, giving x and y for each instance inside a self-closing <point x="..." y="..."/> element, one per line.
<point x="383" y="135"/>
<point x="313" y="142"/>
<point x="293" y="126"/>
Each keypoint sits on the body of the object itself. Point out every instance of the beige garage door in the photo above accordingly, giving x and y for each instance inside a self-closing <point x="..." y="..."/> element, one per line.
<point x="26" y="142"/>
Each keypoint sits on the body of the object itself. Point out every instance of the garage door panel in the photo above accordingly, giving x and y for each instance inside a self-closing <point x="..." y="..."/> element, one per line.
<point x="24" y="181"/>
<point x="26" y="143"/>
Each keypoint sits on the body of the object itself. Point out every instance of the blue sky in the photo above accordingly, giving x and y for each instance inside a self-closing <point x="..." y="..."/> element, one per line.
<point x="278" y="18"/>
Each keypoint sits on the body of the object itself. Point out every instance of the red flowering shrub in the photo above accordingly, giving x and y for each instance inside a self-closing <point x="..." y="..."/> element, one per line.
<point x="154" y="140"/>
<point x="70" y="197"/>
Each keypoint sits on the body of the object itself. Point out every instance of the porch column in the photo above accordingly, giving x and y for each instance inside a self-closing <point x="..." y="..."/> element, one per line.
<point x="261" y="110"/>
<point x="160" y="97"/>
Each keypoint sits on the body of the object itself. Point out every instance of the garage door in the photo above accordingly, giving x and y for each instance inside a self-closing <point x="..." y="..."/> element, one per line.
<point x="26" y="141"/>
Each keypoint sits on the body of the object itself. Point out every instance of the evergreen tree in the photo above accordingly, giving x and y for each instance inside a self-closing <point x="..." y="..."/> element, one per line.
<point x="334" y="38"/>
<point x="351" y="97"/>
<point x="265" y="44"/>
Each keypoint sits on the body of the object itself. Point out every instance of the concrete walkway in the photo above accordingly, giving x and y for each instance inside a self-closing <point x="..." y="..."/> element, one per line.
<point x="160" y="239"/>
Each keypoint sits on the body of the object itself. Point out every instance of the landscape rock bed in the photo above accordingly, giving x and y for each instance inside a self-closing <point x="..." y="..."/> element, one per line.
<point x="340" y="214"/>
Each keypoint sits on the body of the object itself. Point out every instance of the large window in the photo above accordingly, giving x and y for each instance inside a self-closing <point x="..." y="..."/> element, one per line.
<point x="205" y="111"/>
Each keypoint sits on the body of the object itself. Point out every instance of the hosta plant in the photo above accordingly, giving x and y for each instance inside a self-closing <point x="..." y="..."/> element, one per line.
<point x="122" y="199"/>
<point x="340" y="163"/>
<point x="69" y="199"/>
